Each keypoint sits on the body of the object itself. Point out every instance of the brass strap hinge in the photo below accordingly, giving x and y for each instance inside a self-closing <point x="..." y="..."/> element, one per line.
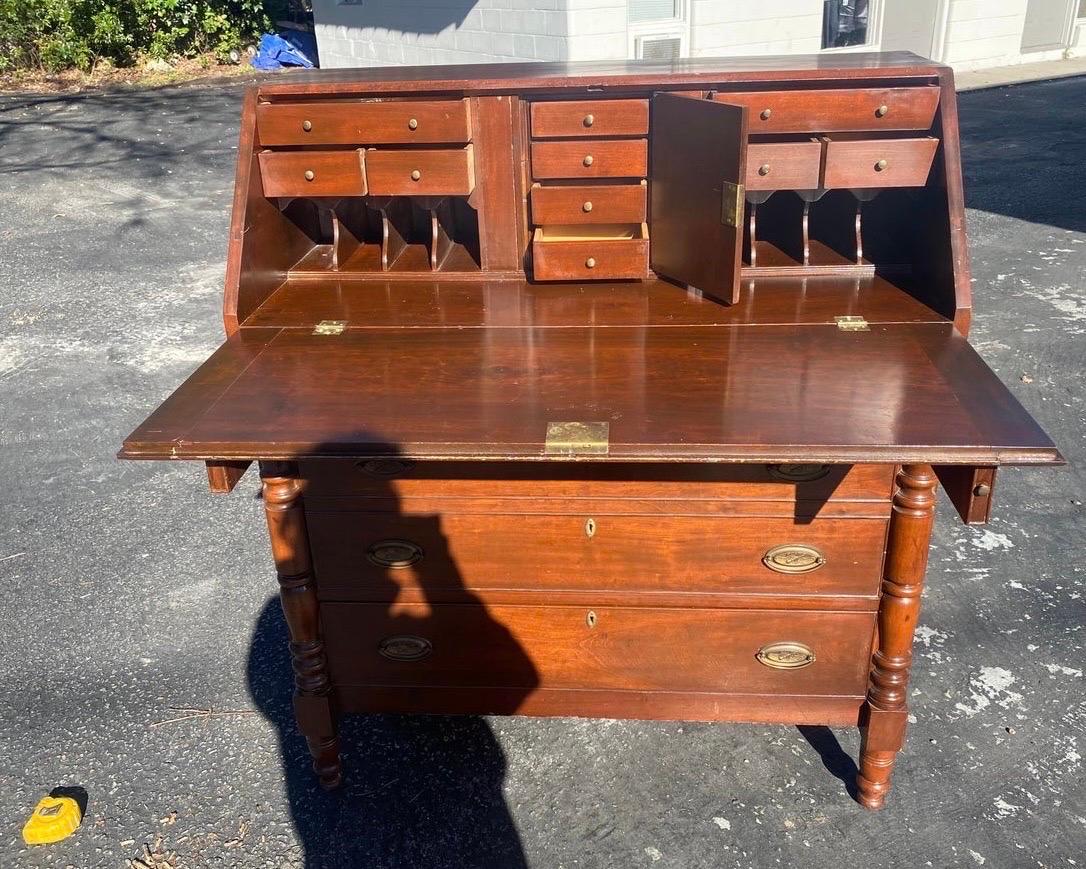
<point x="577" y="439"/>
<point x="851" y="323"/>
<point x="731" y="204"/>
<point x="330" y="327"/>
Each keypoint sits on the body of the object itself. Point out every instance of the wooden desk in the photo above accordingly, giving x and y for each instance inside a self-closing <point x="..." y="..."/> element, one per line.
<point x="602" y="390"/>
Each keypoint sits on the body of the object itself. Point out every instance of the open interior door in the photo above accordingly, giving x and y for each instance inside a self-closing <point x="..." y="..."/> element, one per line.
<point x="698" y="151"/>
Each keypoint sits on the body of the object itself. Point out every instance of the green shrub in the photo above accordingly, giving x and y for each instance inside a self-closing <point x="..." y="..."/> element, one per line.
<point x="59" y="34"/>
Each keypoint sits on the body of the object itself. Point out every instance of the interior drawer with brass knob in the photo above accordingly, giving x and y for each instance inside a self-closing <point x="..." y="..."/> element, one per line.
<point x="590" y="252"/>
<point x="351" y="122"/>
<point x="582" y="203"/>
<point x="864" y="163"/>
<point x="617" y="648"/>
<point x="602" y="158"/>
<point x="784" y="165"/>
<point x="830" y="110"/>
<point x="313" y="173"/>
<point x="589" y="118"/>
<point x="420" y="172"/>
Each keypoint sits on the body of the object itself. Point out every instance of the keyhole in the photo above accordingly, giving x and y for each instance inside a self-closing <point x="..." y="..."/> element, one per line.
<point x="590" y="619"/>
<point x="590" y="528"/>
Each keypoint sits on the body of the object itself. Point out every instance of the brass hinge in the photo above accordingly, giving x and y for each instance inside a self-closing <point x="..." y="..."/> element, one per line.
<point x="577" y="439"/>
<point x="330" y="327"/>
<point x="851" y="323"/>
<point x="731" y="204"/>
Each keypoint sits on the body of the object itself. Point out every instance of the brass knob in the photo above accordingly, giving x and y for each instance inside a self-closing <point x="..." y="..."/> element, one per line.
<point x="586" y="207"/>
<point x="413" y="124"/>
<point x="879" y="166"/>
<point x="588" y="120"/>
<point x="766" y="114"/>
<point x="588" y="160"/>
<point x="982" y="490"/>
<point x="307" y="125"/>
<point x="882" y="111"/>
<point x="763" y="169"/>
<point x="415" y="174"/>
<point x="590" y="262"/>
<point x="309" y="176"/>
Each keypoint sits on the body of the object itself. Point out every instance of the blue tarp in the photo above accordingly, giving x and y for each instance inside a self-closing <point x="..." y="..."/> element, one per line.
<point x="287" y="48"/>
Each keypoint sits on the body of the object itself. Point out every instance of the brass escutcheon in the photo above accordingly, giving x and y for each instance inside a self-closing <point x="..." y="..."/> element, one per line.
<point x="793" y="558"/>
<point x="798" y="473"/>
<point x="590" y="528"/>
<point x="405" y="647"/>
<point x="590" y="619"/>
<point x="394" y="554"/>
<point x="786" y="656"/>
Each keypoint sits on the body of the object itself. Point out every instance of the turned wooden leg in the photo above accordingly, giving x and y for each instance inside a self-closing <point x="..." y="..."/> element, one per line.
<point x="884" y="716"/>
<point x="298" y="594"/>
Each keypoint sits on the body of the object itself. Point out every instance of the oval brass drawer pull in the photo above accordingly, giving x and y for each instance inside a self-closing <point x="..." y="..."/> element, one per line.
<point x="786" y="656"/>
<point x="405" y="647"/>
<point x="796" y="473"/>
<point x="385" y="468"/>
<point x="394" y="554"/>
<point x="793" y="558"/>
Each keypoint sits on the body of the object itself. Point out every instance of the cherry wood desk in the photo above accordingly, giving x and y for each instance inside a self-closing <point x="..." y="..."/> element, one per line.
<point x="602" y="390"/>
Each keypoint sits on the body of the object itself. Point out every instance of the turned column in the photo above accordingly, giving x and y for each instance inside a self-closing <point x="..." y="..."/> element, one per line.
<point x="298" y="594"/>
<point x="884" y="716"/>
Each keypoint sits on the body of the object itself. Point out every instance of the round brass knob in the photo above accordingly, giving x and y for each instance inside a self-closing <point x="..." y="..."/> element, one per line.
<point x="415" y="174"/>
<point x="586" y="207"/>
<point x="766" y="114"/>
<point x="590" y="262"/>
<point x="881" y="165"/>
<point x="763" y="169"/>
<point x="309" y="176"/>
<point x="588" y="160"/>
<point x="882" y="111"/>
<point x="589" y="120"/>
<point x="413" y="124"/>
<point x="982" y="490"/>
<point x="307" y="125"/>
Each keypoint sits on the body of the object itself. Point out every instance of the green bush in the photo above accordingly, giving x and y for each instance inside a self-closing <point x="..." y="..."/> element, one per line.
<point x="59" y="34"/>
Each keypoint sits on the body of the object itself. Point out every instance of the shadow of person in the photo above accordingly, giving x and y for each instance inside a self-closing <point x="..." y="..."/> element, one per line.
<point x="418" y="791"/>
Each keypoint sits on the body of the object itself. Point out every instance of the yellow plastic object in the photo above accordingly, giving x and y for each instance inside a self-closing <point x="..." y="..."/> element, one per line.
<point x="54" y="818"/>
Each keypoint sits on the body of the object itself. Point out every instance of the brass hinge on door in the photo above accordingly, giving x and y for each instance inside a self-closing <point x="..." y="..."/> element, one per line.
<point x="731" y="204"/>
<point x="851" y="323"/>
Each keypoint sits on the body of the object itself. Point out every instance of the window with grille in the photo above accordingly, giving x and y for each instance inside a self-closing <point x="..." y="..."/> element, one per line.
<point x="844" y="22"/>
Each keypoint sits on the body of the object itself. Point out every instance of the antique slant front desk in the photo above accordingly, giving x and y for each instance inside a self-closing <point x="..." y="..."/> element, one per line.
<point x="602" y="390"/>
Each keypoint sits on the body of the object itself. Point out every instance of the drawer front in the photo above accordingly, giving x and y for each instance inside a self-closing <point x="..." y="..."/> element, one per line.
<point x="313" y="173"/>
<point x="440" y="555"/>
<point x="614" y="203"/>
<point x="599" y="259"/>
<point x="878" y="163"/>
<point x="590" y="118"/>
<point x="783" y="165"/>
<point x="397" y="478"/>
<point x="592" y="159"/>
<point x="356" y="123"/>
<point x="838" y="109"/>
<point x="444" y="172"/>
<point x="619" y="648"/>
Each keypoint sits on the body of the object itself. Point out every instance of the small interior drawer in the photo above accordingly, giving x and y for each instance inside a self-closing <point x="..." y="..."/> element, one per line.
<point x="831" y="110"/>
<point x="861" y="163"/>
<point x="415" y="172"/>
<point x="590" y="118"/>
<point x="313" y="173"/>
<point x="603" y="158"/>
<point x="603" y="203"/>
<point x="783" y="165"/>
<point x="343" y="122"/>
<point x="590" y="252"/>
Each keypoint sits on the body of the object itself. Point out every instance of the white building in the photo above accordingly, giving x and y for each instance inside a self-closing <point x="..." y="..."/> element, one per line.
<point x="967" y="34"/>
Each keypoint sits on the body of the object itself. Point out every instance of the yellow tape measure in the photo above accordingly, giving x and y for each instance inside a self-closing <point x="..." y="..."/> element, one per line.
<point x="54" y="818"/>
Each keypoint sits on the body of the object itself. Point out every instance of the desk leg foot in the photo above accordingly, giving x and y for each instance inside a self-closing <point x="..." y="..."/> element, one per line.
<point x="885" y="713"/>
<point x="298" y="595"/>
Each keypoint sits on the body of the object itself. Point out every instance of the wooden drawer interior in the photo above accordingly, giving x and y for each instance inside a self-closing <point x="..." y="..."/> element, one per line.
<point x="354" y="122"/>
<point x="602" y="158"/>
<point x="313" y="173"/>
<point x="583" y="203"/>
<point x="590" y="251"/>
<point x="569" y="118"/>
<point x="831" y="110"/>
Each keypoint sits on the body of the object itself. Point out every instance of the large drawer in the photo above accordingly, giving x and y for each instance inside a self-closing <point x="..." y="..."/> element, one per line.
<point x="829" y="110"/>
<point x="602" y="158"/>
<point x="349" y="122"/>
<point x="421" y="172"/>
<point x="583" y="203"/>
<point x="618" y="648"/>
<point x="590" y="252"/>
<point x="313" y="173"/>
<point x="441" y="555"/>
<point x="860" y="163"/>
<point x="590" y="118"/>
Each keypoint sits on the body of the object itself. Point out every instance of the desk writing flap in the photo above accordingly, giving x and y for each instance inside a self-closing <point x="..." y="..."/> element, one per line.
<point x="698" y="150"/>
<point x="896" y="393"/>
